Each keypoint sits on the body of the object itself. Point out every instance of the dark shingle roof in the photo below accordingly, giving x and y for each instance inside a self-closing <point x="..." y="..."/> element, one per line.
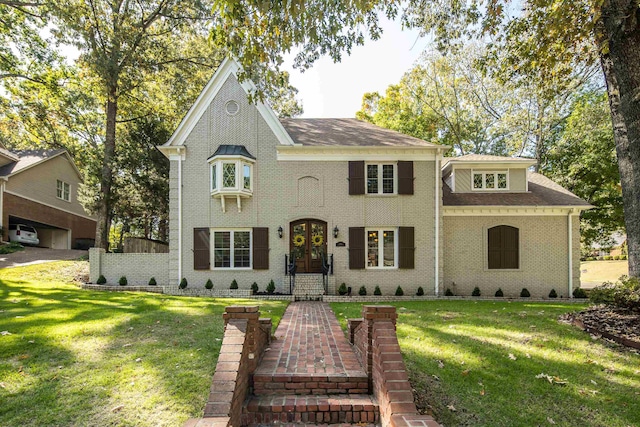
<point x="232" y="150"/>
<point x="28" y="158"/>
<point x="542" y="192"/>
<point x="347" y="132"/>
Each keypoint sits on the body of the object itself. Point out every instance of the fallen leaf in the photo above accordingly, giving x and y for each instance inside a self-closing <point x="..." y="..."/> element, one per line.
<point x="550" y="420"/>
<point x="3" y="333"/>
<point x="127" y="345"/>
<point x="528" y="355"/>
<point x="31" y="342"/>
<point x="593" y="382"/>
<point x="440" y="364"/>
<point x="465" y="372"/>
<point x="118" y="408"/>
<point x="451" y="408"/>
<point x="512" y="357"/>
<point x="139" y="359"/>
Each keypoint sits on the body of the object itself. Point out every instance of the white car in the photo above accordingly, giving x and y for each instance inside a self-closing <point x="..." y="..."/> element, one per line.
<point x="23" y="234"/>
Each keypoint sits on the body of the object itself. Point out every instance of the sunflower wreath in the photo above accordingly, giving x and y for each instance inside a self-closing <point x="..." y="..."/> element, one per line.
<point x="298" y="240"/>
<point x="317" y="239"/>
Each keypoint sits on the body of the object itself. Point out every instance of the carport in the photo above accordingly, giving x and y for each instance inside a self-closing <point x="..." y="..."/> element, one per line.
<point x="49" y="235"/>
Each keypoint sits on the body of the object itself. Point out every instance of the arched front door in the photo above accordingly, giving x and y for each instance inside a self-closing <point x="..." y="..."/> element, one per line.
<point x="308" y="243"/>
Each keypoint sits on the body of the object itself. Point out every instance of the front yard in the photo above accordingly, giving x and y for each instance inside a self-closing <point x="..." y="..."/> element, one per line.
<point x="512" y="364"/>
<point x="74" y="357"/>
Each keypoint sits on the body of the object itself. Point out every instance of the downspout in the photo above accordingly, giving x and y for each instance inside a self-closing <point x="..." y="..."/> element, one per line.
<point x="180" y="156"/>
<point x="570" y="242"/>
<point x="437" y="224"/>
<point x="2" y="186"/>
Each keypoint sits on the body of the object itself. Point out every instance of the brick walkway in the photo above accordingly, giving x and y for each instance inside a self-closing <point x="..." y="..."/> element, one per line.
<point x="309" y="343"/>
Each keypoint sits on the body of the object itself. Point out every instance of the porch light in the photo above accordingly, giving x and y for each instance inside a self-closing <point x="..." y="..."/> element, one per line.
<point x="280" y="232"/>
<point x="336" y="230"/>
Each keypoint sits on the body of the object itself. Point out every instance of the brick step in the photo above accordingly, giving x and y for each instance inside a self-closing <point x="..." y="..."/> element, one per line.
<point x="270" y="384"/>
<point x="323" y="409"/>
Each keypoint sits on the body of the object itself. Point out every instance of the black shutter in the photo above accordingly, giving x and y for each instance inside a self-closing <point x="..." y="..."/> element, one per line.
<point x="260" y="248"/>
<point x="356" y="248"/>
<point x="356" y="178"/>
<point x="406" y="243"/>
<point x="405" y="177"/>
<point x="201" y="245"/>
<point x="503" y="247"/>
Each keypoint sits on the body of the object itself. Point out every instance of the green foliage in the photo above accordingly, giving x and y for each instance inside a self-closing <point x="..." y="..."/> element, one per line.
<point x="553" y="294"/>
<point x="399" y="291"/>
<point x="101" y="280"/>
<point x="362" y="291"/>
<point x="623" y="294"/>
<point x="607" y="257"/>
<point x="342" y="290"/>
<point x="476" y="292"/>
<point x="10" y="248"/>
<point x="234" y="284"/>
<point x="377" y="291"/>
<point x="499" y="293"/>
<point x="448" y="293"/>
<point x="209" y="284"/>
<point x="183" y="283"/>
<point x="420" y="291"/>
<point x="123" y="281"/>
<point x="152" y="281"/>
<point x="579" y="293"/>
<point x="254" y="288"/>
<point x="271" y="287"/>
<point x="524" y="293"/>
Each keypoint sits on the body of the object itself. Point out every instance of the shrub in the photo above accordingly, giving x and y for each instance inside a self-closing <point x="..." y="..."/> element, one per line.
<point x="599" y="258"/>
<point x="101" y="280"/>
<point x="607" y="257"/>
<point x="10" y="247"/>
<point x="254" y="288"/>
<point x="420" y="291"/>
<point x="591" y="258"/>
<point x="209" y="284"/>
<point x="524" y="293"/>
<point x="399" y="291"/>
<point x="183" y="283"/>
<point x="617" y="257"/>
<point x="342" y="290"/>
<point x="234" y="284"/>
<point x="476" y="292"/>
<point x="448" y="293"/>
<point x="499" y="293"/>
<point x="271" y="287"/>
<point x="579" y="293"/>
<point x="123" y="281"/>
<point x="623" y="257"/>
<point x="553" y="294"/>
<point x="152" y="281"/>
<point x="377" y="291"/>
<point x="624" y="294"/>
<point x="362" y="291"/>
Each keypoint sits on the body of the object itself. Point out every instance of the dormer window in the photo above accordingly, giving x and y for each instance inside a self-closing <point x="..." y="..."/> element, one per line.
<point x="488" y="181"/>
<point x="231" y="174"/>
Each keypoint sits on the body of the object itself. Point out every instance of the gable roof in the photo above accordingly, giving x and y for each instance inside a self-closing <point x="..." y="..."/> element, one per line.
<point x="8" y="154"/>
<point x="30" y="158"/>
<point x="227" y="68"/>
<point x="542" y="192"/>
<point x="348" y="133"/>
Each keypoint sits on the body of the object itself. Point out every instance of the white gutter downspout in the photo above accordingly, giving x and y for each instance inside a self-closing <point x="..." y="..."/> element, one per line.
<point x="179" y="157"/>
<point x="2" y="186"/>
<point x="438" y="185"/>
<point x="570" y="236"/>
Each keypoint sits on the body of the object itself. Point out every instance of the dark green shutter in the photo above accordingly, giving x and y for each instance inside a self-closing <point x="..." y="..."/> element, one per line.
<point x="356" y="248"/>
<point x="260" y="248"/>
<point x="356" y="178"/>
<point x="406" y="243"/>
<point x="201" y="245"/>
<point x="405" y="177"/>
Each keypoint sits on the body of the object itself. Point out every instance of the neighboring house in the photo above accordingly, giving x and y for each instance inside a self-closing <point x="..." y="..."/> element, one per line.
<point x="618" y="246"/>
<point x="249" y="191"/>
<point x="39" y="188"/>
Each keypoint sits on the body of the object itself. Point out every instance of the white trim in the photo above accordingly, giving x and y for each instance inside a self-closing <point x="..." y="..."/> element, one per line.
<point x="380" y="178"/>
<point x="453" y="180"/>
<point x="570" y="246"/>
<point x="231" y="230"/>
<point x="484" y="174"/>
<point x="344" y="153"/>
<point x="227" y="68"/>
<point x="2" y="184"/>
<point x="62" y="190"/>
<point x="39" y="162"/>
<point x="48" y="205"/>
<point x="396" y="248"/>
<point x="509" y="163"/>
<point x="178" y="154"/>
<point x="436" y="239"/>
<point x="509" y="210"/>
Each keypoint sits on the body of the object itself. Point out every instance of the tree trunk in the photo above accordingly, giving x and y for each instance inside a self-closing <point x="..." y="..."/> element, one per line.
<point x="106" y="181"/>
<point x="620" y="59"/>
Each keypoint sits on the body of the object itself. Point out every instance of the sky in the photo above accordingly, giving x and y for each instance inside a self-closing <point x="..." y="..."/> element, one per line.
<point x="335" y="90"/>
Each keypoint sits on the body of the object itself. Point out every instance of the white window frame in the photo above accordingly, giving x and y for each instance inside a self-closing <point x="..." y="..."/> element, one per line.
<point x="396" y="248"/>
<point x="217" y="176"/>
<point x="380" y="179"/>
<point x="231" y="248"/>
<point x="60" y="185"/>
<point x="484" y="180"/>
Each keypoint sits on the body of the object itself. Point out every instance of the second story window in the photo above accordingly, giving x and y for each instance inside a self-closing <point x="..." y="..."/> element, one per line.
<point x="490" y="181"/>
<point x="381" y="178"/>
<point x="63" y="191"/>
<point x="231" y="168"/>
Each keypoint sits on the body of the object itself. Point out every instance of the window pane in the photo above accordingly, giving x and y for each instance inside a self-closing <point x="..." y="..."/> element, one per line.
<point x="477" y="180"/>
<point x="241" y="249"/>
<point x="66" y="192"/>
<point x="222" y="248"/>
<point x="229" y="175"/>
<point x="389" y="248"/>
<point x="372" y="179"/>
<point x="502" y="180"/>
<point x="489" y="180"/>
<point x="387" y="179"/>
<point x="372" y="249"/>
<point x="214" y="177"/>
<point x="246" y="174"/>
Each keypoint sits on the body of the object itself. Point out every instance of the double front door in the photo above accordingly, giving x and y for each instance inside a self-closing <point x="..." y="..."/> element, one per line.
<point x="308" y="244"/>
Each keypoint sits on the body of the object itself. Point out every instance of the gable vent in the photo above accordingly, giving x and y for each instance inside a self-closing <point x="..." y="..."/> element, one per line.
<point x="232" y="108"/>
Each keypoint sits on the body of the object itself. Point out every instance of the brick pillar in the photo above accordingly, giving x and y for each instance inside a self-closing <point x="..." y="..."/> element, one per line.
<point x="254" y="330"/>
<point x="371" y="314"/>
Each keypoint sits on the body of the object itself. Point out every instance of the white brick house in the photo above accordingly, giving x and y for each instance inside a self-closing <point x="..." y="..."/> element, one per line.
<point x="374" y="207"/>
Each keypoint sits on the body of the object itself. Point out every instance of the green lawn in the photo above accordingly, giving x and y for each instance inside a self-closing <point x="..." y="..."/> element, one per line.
<point x="77" y="358"/>
<point x="483" y="358"/>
